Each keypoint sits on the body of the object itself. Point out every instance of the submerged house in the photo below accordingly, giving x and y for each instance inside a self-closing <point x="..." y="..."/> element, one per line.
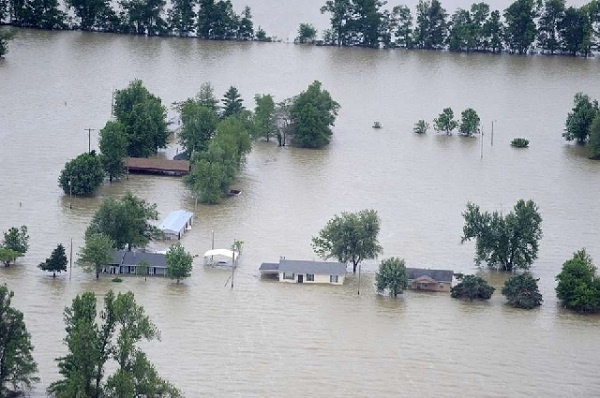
<point x="301" y="271"/>
<point x="434" y="280"/>
<point x="137" y="263"/>
<point x="176" y="223"/>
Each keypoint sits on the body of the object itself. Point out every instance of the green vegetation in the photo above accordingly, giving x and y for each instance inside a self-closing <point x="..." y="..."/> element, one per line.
<point x="179" y="262"/>
<point x="14" y="244"/>
<point x="232" y="103"/>
<point x="421" y="127"/>
<point x="350" y="237"/>
<point x="265" y="123"/>
<point x="391" y="276"/>
<point x="57" y="262"/>
<point x="96" y="254"/>
<point x="594" y="140"/>
<point x="17" y="366"/>
<point x="116" y="280"/>
<point x="113" y="149"/>
<point x="520" y="143"/>
<point x="579" y="120"/>
<point x="445" y="121"/>
<point x="471" y="287"/>
<point x="579" y="284"/>
<point x="522" y="291"/>
<point x="5" y="37"/>
<point x="505" y="242"/>
<point x="82" y="175"/>
<point x="376" y="125"/>
<point x="109" y="341"/>
<point x="307" y="33"/>
<point x="469" y="123"/>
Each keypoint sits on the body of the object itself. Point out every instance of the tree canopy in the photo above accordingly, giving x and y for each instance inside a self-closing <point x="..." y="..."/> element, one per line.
<point x="471" y="287"/>
<point x="179" y="262"/>
<point x="5" y="38"/>
<point x="522" y="291"/>
<point x="96" y="254"/>
<point x="391" y="276"/>
<point x="349" y="237"/>
<point x="579" y="120"/>
<point x="579" y="284"/>
<point x="233" y="103"/>
<point x="57" y="262"/>
<point x="445" y="121"/>
<point x="594" y="140"/>
<point x="504" y="242"/>
<point x="113" y="149"/>
<point x="17" y="366"/>
<point x="14" y="244"/>
<point x="469" y="123"/>
<point x="82" y="175"/>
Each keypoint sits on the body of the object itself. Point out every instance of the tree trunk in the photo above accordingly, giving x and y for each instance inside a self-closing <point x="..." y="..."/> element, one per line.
<point x="54" y="274"/>
<point x="354" y="265"/>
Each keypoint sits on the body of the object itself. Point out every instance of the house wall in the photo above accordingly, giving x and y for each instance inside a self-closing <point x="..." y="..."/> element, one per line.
<point x="318" y="279"/>
<point x="430" y="286"/>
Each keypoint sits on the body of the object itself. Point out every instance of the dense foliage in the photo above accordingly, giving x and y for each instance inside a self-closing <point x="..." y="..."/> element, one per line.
<point x="594" y="140"/>
<point x="113" y="149"/>
<point x="579" y="120"/>
<point x="391" y="276"/>
<point x="96" y="254"/>
<point x="520" y="143"/>
<point x="14" y="244"/>
<point x="579" y="284"/>
<point x="5" y="37"/>
<point x="307" y="33"/>
<point x="349" y="237"/>
<point x="82" y="175"/>
<point x="522" y="291"/>
<point x="445" y="121"/>
<point x="57" y="262"/>
<point x="471" y="287"/>
<point x="179" y="262"/>
<point x="504" y="242"/>
<point x="421" y="127"/>
<point x="469" y="123"/>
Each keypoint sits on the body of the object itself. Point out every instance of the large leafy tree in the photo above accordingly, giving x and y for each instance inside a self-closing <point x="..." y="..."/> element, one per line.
<point x="391" y="276"/>
<point x="245" y="28"/>
<point x="143" y="16"/>
<point x="471" y="287"/>
<point x="16" y="240"/>
<point x="520" y="30"/>
<point x="349" y="237"/>
<point x="143" y="118"/>
<point x="404" y="28"/>
<point x="312" y="114"/>
<point x="522" y="291"/>
<point x="8" y="256"/>
<point x="369" y="24"/>
<point x="91" y="14"/>
<point x="461" y="34"/>
<point x="431" y="27"/>
<point x="96" y="254"/>
<point x="113" y="343"/>
<point x="181" y="17"/>
<point x="594" y="140"/>
<point x="217" y="20"/>
<point x="492" y="32"/>
<point x="307" y="33"/>
<point x="82" y="175"/>
<point x="341" y="16"/>
<point x="579" y="120"/>
<point x="125" y="221"/>
<point x="233" y="103"/>
<point x="445" y="121"/>
<point x="264" y="116"/>
<point x="42" y="14"/>
<point x="504" y="242"/>
<point x="199" y="123"/>
<point x="113" y="149"/>
<point x="17" y="366"/>
<point x="578" y="283"/>
<point x="575" y="31"/>
<point x="552" y="14"/>
<point x="57" y="262"/>
<point x="179" y="262"/>
<point x="469" y="123"/>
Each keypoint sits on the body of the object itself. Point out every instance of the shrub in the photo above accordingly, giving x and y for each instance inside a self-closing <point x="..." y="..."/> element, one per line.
<point x="520" y="143"/>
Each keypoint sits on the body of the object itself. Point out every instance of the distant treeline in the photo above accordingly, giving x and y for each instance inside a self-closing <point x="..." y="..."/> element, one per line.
<point x="548" y="25"/>
<point x="206" y="19"/>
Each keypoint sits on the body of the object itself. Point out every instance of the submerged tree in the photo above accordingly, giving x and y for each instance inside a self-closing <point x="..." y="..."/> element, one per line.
<point x="57" y="262"/>
<point x="96" y="254"/>
<point x="179" y="262"/>
<point x="522" y="291"/>
<point x="471" y="287"/>
<point x="520" y="30"/>
<point x="579" y="120"/>
<point x="14" y="244"/>
<point x="421" y="127"/>
<point x="445" y="121"/>
<point x="113" y="149"/>
<point x="594" y="140"/>
<point x="82" y="175"/>
<point x="469" y="123"/>
<point x="391" y="276"/>
<point x="578" y="283"/>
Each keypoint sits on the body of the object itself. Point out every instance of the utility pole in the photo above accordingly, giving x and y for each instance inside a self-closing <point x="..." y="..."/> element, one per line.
<point x="71" y="260"/>
<point x="493" y="132"/>
<point x="359" y="264"/>
<point x="70" y="193"/>
<point x="481" y="143"/>
<point x="89" y="139"/>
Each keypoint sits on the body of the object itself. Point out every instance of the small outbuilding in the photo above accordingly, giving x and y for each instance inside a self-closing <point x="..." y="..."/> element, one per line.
<point x="176" y="223"/>
<point x="137" y="263"/>
<point x="301" y="271"/>
<point x="220" y="257"/>
<point x="434" y="280"/>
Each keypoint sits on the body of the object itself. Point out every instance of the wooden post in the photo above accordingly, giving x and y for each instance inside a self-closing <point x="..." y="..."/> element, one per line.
<point x="71" y="260"/>
<point x="359" y="265"/>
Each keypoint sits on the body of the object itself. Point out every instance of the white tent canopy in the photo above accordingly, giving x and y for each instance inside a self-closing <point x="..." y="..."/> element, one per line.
<point x="229" y="255"/>
<point x="220" y="252"/>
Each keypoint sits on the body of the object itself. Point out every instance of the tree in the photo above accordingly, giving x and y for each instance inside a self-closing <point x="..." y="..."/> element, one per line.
<point x="505" y="242"/>
<point x="57" y="261"/>
<point x="594" y="140"/>
<point x="578" y="283"/>
<point x="143" y="118"/>
<point x="551" y="15"/>
<point x="575" y="31"/>
<point x="264" y="116"/>
<point x="5" y="37"/>
<point x="579" y="120"/>
<point x="15" y="244"/>
<point x="261" y="35"/>
<point x="391" y="276"/>
<point x="340" y="11"/>
<point x="17" y="366"/>
<point x="469" y="123"/>
<point x="206" y="97"/>
<point x="471" y="287"/>
<point x="445" y="121"/>
<point x="96" y="254"/>
<point x="142" y="268"/>
<point x="125" y="221"/>
<point x="492" y="32"/>
<point x="179" y="262"/>
<point x="8" y="256"/>
<point x="404" y="30"/>
<point x="199" y="123"/>
<point x="312" y="114"/>
<point x="461" y="35"/>
<point x="181" y="17"/>
<point x="520" y="29"/>
<point x="350" y="237"/>
<point x="421" y="127"/>
<point x="91" y="14"/>
<point x="431" y="28"/>
<point x="245" y="29"/>
<point x="521" y="291"/>
<point x="82" y="175"/>
<point x="92" y="346"/>
<point x="232" y="102"/>
<point x="306" y="33"/>
<point x="113" y="149"/>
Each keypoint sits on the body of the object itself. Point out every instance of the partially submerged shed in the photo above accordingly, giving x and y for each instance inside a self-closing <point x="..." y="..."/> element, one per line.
<point x="176" y="223"/>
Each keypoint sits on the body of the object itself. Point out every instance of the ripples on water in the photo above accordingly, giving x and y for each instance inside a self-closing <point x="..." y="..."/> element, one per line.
<point x="268" y="339"/>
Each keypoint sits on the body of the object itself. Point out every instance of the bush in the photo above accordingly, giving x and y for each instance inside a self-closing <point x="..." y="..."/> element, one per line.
<point x="117" y="280"/>
<point x="376" y="125"/>
<point x="421" y="127"/>
<point x="471" y="287"/>
<point x="520" y="143"/>
<point x="521" y="291"/>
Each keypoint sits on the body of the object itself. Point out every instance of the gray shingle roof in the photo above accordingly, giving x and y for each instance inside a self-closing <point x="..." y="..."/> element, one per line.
<point x="269" y="267"/>
<point x="134" y="258"/>
<point x="312" y="267"/>
<point x="438" y="275"/>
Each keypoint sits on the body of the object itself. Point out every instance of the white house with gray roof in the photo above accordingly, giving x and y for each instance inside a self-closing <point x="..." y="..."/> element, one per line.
<point x="301" y="271"/>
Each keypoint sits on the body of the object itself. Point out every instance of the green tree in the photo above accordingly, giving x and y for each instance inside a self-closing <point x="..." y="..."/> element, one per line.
<point x="143" y="118"/>
<point x="307" y="33"/>
<point x="179" y="262"/>
<point x="521" y="291"/>
<point x="575" y="31"/>
<point x="199" y="123"/>
<point x="404" y="30"/>
<point x="469" y="123"/>
<point x="461" y="34"/>
<point x="350" y="237"/>
<point x="312" y="114"/>
<point x="113" y="149"/>
<point x="17" y="366"/>
<point x="445" y="121"/>
<point x="594" y="140"/>
<point x="578" y="283"/>
<point x="368" y="24"/>
<point x="505" y="242"/>
<point x="579" y="120"/>
<point x="125" y="221"/>
<point x="96" y="254"/>
<point x="264" y="116"/>
<point x="82" y="175"/>
<point x="180" y="17"/>
<point x="492" y="32"/>
<point x="432" y="26"/>
<point x="341" y="15"/>
<point x="552" y="14"/>
<point x="232" y="102"/>
<point x="211" y="174"/>
<point x="57" y="262"/>
<point x="142" y="268"/>
<point x="16" y="241"/>
<point x="520" y="29"/>
<point x="471" y="287"/>
<point x="8" y="256"/>
<point x="91" y="14"/>
<point x="5" y="37"/>
<point x="421" y="127"/>
<point x="206" y="97"/>
<point x="245" y="28"/>
<point x="391" y="276"/>
<point x="480" y="14"/>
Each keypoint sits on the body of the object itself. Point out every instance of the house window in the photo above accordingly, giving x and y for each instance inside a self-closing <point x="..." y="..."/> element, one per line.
<point x="333" y="278"/>
<point x="441" y="285"/>
<point x="287" y="275"/>
<point x="310" y="277"/>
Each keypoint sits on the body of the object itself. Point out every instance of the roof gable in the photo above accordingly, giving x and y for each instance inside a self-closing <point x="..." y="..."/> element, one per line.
<point x="312" y="267"/>
<point x="437" y="275"/>
<point x="124" y="257"/>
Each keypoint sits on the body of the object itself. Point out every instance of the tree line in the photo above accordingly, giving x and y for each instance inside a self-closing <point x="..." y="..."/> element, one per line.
<point x="205" y="19"/>
<point x="525" y="25"/>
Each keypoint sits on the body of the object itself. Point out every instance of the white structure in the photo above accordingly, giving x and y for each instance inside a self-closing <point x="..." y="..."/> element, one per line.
<point x="300" y="271"/>
<point x="176" y="223"/>
<point x="223" y="257"/>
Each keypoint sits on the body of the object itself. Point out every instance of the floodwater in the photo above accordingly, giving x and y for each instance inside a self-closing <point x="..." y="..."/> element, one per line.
<point x="262" y="338"/>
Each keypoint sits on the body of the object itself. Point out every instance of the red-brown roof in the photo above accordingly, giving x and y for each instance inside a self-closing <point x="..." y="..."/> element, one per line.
<point x="157" y="165"/>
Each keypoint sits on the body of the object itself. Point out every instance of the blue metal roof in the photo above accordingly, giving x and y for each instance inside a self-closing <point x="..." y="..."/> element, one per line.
<point x="175" y="221"/>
